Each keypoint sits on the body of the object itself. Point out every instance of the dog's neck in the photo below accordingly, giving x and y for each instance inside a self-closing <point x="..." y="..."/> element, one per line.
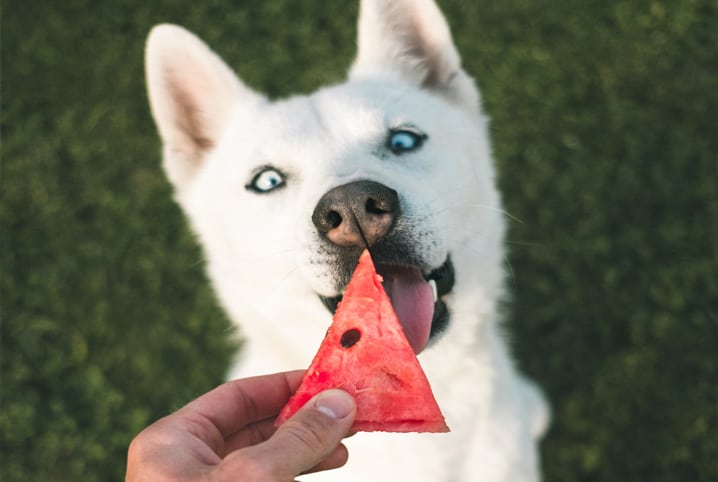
<point x="279" y="335"/>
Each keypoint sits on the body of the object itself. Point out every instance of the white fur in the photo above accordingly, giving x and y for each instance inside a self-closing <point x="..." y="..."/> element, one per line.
<point x="264" y="255"/>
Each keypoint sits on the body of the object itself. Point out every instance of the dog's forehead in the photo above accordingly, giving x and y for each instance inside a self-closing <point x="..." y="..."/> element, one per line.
<point x="351" y="111"/>
<point x="358" y="106"/>
<point x="316" y="115"/>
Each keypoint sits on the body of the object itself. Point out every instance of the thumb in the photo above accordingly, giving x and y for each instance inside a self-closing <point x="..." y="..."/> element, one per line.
<point x="307" y="439"/>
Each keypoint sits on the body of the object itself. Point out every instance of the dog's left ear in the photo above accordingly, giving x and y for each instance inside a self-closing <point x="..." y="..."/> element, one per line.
<point x="412" y="39"/>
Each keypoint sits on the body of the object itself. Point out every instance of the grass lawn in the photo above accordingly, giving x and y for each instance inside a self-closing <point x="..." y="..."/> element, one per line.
<point x="605" y="125"/>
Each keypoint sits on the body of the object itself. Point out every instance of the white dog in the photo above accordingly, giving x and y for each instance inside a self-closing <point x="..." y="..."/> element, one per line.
<point x="284" y="195"/>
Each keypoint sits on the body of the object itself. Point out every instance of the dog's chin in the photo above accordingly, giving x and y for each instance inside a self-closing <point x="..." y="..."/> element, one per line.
<point x="441" y="281"/>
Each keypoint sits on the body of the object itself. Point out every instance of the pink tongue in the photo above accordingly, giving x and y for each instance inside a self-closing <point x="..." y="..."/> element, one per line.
<point x="413" y="301"/>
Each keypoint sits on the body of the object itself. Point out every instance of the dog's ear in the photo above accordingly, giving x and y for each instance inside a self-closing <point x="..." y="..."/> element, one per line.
<point x="412" y="39"/>
<point x="192" y="93"/>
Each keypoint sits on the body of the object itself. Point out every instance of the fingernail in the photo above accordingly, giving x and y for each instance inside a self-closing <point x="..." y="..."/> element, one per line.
<point x="334" y="403"/>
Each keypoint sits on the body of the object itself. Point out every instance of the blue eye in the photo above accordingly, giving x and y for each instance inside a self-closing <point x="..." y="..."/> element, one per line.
<point x="266" y="180"/>
<point x="404" y="140"/>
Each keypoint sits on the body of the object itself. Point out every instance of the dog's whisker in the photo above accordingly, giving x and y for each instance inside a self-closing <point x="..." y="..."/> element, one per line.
<point x="288" y="275"/>
<point x="530" y="244"/>
<point x="499" y="210"/>
<point x="511" y="275"/>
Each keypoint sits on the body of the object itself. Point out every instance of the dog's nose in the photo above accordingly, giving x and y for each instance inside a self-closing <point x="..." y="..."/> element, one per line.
<point x="357" y="214"/>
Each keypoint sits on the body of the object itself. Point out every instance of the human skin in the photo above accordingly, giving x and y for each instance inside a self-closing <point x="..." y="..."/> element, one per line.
<point x="229" y="434"/>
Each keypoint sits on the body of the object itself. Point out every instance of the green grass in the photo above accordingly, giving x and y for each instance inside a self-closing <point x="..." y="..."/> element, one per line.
<point x="605" y="124"/>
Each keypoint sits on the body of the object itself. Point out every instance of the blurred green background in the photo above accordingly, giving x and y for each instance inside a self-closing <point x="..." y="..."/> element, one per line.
<point x="605" y="128"/>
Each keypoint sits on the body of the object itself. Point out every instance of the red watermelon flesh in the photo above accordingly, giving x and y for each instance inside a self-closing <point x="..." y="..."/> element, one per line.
<point x="366" y="353"/>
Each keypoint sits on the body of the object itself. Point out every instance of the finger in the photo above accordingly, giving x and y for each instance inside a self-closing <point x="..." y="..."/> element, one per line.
<point x="302" y="443"/>
<point x="261" y="431"/>
<point x="335" y="460"/>
<point x="233" y="405"/>
<point x="252" y="434"/>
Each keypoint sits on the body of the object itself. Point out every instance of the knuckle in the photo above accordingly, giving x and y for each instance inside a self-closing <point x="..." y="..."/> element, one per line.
<point x="142" y="457"/>
<point x="307" y="434"/>
<point x="138" y="448"/>
<point x="252" y="469"/>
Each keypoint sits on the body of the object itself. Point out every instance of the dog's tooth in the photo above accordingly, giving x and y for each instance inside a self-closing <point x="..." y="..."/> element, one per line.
<point x="432" y="283"/>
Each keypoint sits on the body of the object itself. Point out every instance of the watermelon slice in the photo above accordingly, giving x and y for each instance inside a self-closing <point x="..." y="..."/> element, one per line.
<point x="366" y="353"/>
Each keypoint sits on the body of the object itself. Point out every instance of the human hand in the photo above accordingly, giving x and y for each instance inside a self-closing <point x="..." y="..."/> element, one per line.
<point x="229" y="434"/>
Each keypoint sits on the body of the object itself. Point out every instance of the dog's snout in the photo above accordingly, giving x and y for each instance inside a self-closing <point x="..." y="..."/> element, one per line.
<point x="357" y="214"/>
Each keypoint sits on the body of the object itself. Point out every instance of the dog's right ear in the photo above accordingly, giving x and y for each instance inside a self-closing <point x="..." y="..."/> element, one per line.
<point x="192" y="94"/>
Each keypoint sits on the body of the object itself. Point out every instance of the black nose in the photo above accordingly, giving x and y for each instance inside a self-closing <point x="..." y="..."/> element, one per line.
<point x="357" y="214"/>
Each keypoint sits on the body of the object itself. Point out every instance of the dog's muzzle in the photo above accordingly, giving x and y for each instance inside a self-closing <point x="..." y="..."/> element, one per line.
<point x="363" y="214"/>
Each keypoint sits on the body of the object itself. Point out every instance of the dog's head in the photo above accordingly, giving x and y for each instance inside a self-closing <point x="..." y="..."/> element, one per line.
<point x="285" y="195"/>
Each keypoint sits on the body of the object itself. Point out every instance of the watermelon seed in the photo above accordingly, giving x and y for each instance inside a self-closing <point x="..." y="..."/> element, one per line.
<point x="350" y="337"/>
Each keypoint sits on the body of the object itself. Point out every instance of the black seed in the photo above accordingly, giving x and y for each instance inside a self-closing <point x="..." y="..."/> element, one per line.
<point x="350" y="337"/>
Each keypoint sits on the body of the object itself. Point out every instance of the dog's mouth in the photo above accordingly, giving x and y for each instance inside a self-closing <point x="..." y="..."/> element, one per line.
<point x="419" y="300"/>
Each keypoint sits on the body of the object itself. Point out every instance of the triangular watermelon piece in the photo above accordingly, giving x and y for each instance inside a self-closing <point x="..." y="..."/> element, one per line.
<point x="366" y="354"/>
